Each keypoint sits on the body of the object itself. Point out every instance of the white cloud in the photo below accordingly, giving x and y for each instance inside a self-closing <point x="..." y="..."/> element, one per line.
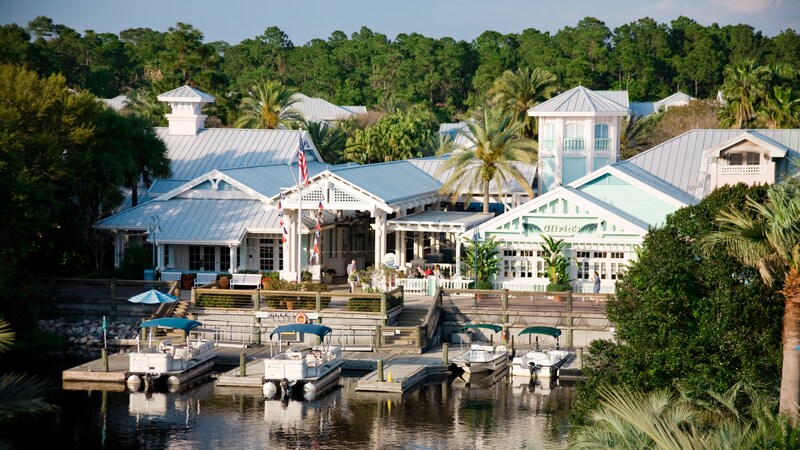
<point x="746" y="6"/>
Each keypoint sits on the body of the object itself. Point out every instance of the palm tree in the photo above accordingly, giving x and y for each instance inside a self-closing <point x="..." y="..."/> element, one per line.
<point x="497" y="147"/>
<point x="269" y="107"/>
<point x="767" y="237"/>
<point x="743" y="90"/>
<point x="522" y="90"/>
<point x="782" y="108"/>
<point x="556" y="264"/>
<point x="20" y="395"/>
<point x="329" y="140"/>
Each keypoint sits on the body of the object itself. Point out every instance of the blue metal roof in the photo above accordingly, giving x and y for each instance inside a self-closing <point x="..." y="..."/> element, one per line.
<point x="392" y="182"/>
<point x="171" y="322"/>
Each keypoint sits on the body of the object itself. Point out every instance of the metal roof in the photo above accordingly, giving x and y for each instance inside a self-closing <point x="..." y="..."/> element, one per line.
<point x="620" y="97"/>
<point x="642" y="109"/>
<point x="356" y="109"/>
<point x="117" y="103"/>
<point x="269" y="180"/>
<point x="393" y="182"/>
<point x="681" y="162"/>
<point x="456" y="221"/>
<point x="579" y="102"/>
<point x="185" y="94"/>
<point x="431" y="166"/>
<point x="316" y="109"/>
<point x="229" y="148"/>
<point x="197" y="221"/>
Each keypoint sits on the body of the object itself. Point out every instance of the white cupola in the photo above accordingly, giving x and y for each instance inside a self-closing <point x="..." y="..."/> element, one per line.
<point x="186" y="102"/>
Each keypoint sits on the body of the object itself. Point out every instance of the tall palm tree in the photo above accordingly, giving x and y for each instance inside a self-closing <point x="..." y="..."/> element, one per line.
<point x="743" y="90"/>
<point x="522" y="90"/>
<point x="767" y="237"/>
<point x="497" y="147"/>
<point x="269" y="106"/>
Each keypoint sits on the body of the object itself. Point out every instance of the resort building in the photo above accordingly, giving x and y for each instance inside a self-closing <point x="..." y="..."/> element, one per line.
<point x="236" y="202"/>
<point x="602" y="208"/>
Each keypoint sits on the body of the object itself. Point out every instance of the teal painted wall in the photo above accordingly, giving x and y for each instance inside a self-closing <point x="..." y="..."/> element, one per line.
<point x="630" y="199"/>
<point x="574" y="168"/>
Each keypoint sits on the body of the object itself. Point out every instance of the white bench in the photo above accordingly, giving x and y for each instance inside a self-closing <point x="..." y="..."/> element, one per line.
<point x="205" y="278"/>
<point x="246" y="279"/>
<point x="171" y="275"/>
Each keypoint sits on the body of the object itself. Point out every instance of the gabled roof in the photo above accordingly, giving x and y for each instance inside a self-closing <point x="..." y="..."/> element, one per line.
<point x="579" y="102"/>
<point x="356" y="109"/>
<point x="643" y="180"/>
<point x="775" y="149"/>
<point x="609" y="213"/>
<point x="681" y="163"/>
<point x="393" y="182"/>
<point x="117" y="103"/>
<point x="452" y="221"/>
<point x="230" y="148"/>
<point x="186" y="94"/>
<point x="197" y="221"/>
<point x="678" y="98"/>
<point x="317" y="109"/>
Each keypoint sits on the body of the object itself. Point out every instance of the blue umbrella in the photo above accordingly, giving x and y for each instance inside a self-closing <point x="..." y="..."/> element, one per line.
<point x="152" y="297"/>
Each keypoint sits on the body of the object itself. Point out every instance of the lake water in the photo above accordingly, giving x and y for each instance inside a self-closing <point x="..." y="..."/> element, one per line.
<point x="447" y="413"/>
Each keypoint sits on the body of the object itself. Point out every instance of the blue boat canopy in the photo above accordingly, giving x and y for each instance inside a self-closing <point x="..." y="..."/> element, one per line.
<point x="171" y="322"/>
<point x="550" y="331"/>
<point x="319" y="330"/>
<point x="488" y="326"/>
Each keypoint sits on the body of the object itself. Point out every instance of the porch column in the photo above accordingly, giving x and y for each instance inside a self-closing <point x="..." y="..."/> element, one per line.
<point x="458" y="254"/>
<point x="419" y="245"/>
<point x="380" y="237"/>
<point x="232" y="257"/>
<point x="119" y="248"/>
<point x="159" y="257"/>
<point x="398" y="242"/>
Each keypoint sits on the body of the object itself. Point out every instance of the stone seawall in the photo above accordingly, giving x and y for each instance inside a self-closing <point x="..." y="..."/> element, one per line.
<point x="86" y="337"/>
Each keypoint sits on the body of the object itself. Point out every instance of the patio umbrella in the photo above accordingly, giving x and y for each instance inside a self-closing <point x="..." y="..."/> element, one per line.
<point x="152" y="297"/>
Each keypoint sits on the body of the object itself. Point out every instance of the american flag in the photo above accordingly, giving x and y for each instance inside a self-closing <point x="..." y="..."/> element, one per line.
<point x="302" y="162"/>
<point x="319" y="213"/>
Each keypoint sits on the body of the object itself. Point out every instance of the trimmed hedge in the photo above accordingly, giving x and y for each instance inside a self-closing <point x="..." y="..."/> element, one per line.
<point x="362" y="304"/>
<point x="297" y="303"/>
<point x="226" y="300"/>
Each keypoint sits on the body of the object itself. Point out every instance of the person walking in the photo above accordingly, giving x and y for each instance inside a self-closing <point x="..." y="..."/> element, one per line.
<point x="596" y="282"/>
<point x="352" y="275"/>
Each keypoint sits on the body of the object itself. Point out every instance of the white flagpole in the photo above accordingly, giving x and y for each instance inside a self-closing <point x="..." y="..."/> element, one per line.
<point x="299" y="221"/>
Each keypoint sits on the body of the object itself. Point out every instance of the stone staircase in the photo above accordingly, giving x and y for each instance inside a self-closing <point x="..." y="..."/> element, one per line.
<point x="181" y="310"/>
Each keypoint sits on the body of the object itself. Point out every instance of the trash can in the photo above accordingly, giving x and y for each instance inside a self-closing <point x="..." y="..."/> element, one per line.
<point x="149" y="275"/>
<point x="432" y="285"/>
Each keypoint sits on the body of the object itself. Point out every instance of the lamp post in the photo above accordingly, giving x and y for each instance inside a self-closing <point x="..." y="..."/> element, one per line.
<point x="475" y="238"/>
<point x="153" y="229"/>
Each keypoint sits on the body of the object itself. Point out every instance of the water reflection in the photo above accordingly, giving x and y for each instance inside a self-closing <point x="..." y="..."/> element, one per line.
<point x="490" y="412"/>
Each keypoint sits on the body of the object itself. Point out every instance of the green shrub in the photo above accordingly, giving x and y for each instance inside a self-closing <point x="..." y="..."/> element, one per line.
<point x="225" y="300"/>
<point x="297" y="302"/>
<point x="364" y="304"/>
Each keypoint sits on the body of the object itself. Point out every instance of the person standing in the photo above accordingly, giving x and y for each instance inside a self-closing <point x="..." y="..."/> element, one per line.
<point x="352" y="275"/>
<point x="596" y="282"/>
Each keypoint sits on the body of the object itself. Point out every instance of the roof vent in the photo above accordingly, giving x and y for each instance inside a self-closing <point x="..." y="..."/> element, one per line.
<point x="186" y="103"/>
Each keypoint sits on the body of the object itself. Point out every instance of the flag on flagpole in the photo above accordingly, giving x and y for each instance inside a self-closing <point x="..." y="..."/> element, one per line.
<point x="302" y="163"/>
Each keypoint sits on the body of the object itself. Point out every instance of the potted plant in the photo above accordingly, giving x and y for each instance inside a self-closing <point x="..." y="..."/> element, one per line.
<point x="187" y="281"/>
<point x="327" y="275"/>
<point x="224" y="281"/>
<point x="556" y="264"/>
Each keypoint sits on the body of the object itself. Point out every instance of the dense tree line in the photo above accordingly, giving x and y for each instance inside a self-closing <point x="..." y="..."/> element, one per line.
<point x="649" y="59"/>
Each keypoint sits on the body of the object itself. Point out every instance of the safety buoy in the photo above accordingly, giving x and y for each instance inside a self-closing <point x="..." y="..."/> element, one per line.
<point x="301" y="318"/>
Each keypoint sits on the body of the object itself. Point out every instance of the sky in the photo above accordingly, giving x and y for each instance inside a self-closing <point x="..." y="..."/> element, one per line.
<point x="234" y="20"/>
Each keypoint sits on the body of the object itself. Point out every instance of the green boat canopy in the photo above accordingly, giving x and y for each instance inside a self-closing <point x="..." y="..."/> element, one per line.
<point x="319" y="330"/>
<point x="550" y="331"/>
<point x="488" y="326"/>
<point x="171" y="322"/>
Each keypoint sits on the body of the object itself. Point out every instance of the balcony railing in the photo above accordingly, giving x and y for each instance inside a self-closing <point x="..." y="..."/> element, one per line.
<point x="741" y="170"/>
<point x="574" y="144"/>
<point x="548" y="144"/>
<point x="602" y="144"/>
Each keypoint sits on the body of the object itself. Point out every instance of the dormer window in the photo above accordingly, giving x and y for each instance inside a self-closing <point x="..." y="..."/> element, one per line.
<point x="743" y="159"/>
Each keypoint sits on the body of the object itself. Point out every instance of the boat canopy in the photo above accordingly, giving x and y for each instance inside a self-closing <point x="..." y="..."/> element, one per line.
<point x="550" y="331"/>
<point x="488" y="326"/>
<point x="319" y="330"/>
<point x="171" y="322"/>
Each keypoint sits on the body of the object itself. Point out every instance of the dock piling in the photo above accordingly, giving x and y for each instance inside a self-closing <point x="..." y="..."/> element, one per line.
<point x="104" y="353"/>
<point x="243" y="364"/>
<point x="380" y="371"/>
<point x="444" y="353"/>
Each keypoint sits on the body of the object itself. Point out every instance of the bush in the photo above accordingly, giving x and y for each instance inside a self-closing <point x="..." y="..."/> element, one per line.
<point x="297" y="302"/>
<point x="226" y="300"/>
<point x="134" y="262"/>
<point x="363" y="304"/>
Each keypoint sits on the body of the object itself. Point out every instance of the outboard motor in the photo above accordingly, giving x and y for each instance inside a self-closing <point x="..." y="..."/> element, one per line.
<point x="148" y="381"/>
<point x="533" y="367"/>
<point x="285" y="388"/>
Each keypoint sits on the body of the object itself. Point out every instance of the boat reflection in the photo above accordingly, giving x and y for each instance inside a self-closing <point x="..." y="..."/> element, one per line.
<point x="479" y="379"/>
<point x="169" y="407"/>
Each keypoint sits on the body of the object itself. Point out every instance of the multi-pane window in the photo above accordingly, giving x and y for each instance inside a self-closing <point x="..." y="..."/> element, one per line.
<point x="266" y="254"/>
<point x="201" y="258"/>
<point x="601" y="141"/>
<point x="224" y="259"/>
<point x="743" y="159"/>
<point x="573" y="137"/>
<point x="166" y="255"/>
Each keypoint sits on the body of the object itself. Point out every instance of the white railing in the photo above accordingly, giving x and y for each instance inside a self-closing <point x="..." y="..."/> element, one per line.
<point x="574" y="144"/>
<point x="741" y="170"/>
<point x="549" y="144"/>
<point x="420" y="285"/>
<point x="515" y="285"/>
<point x="602" y="143"/>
